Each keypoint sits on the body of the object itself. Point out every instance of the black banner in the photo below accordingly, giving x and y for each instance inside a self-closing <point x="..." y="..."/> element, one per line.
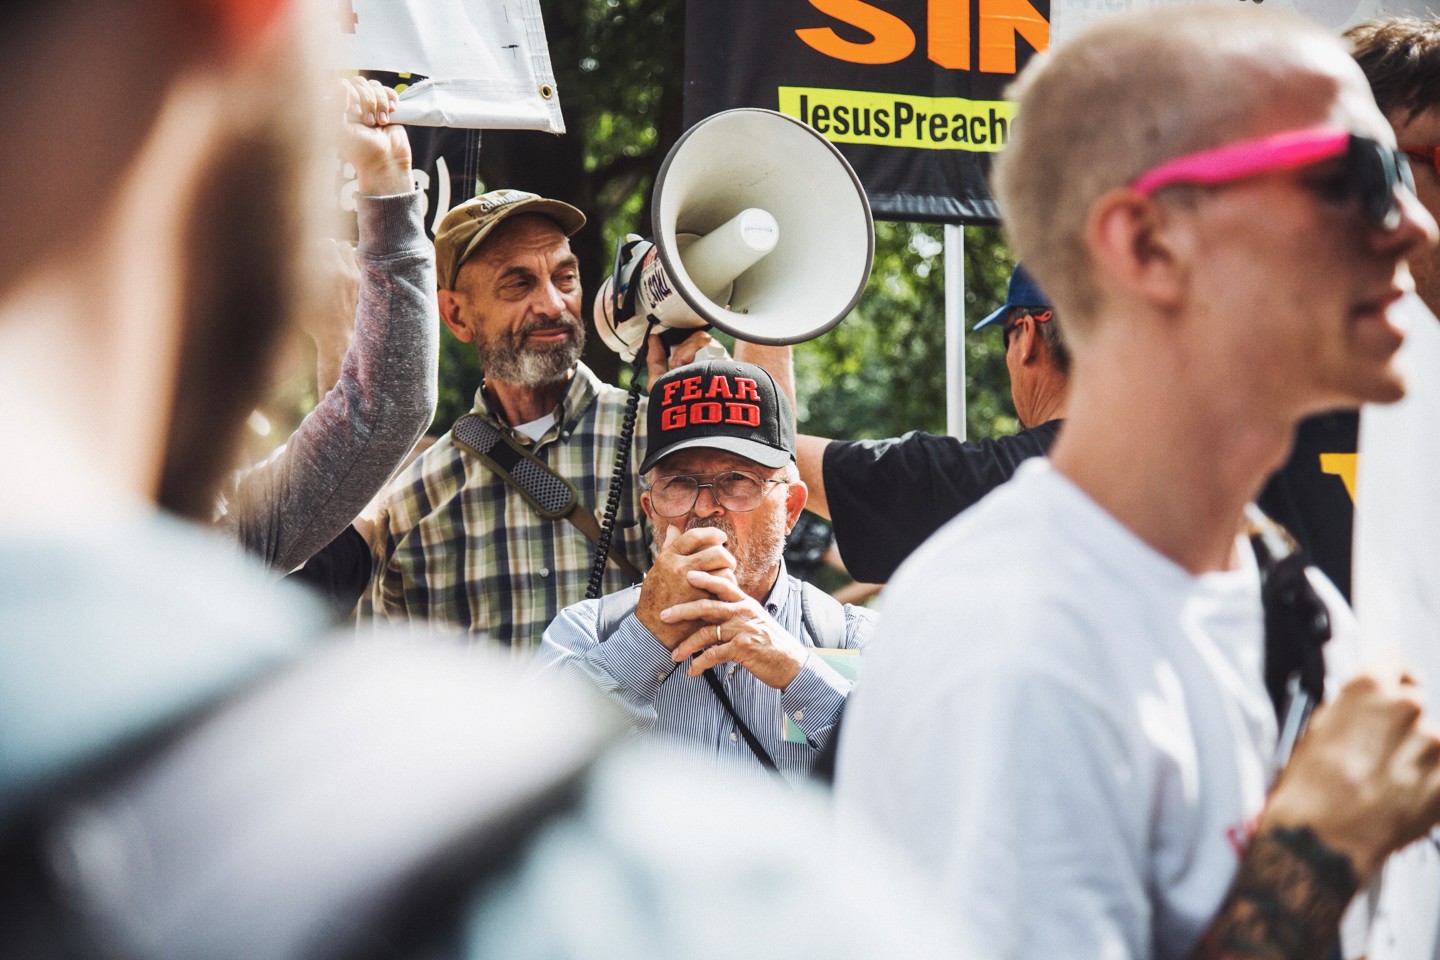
<point x="910" y="91"/>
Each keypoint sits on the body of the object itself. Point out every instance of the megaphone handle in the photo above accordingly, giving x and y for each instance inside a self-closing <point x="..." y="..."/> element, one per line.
<point x="672" y="337"/>
<point x="714" y="350"/>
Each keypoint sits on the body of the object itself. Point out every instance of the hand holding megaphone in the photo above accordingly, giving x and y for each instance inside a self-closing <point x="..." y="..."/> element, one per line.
<point x="639" y="289"/>
<point x="761" y="229"/>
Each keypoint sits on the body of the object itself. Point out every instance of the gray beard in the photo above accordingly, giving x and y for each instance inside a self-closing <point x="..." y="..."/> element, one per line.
<point x="508" y="358"/>
<point x="757" y="555"/>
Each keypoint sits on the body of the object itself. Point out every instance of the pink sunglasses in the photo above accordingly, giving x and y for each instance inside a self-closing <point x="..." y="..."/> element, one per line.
<point x="1373" y="170"/>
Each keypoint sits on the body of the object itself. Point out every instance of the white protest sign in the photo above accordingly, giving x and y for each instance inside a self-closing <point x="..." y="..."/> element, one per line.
<point x="1069" y="16"/>
<point x="485" y="63"/>
<point x="1397" y="597"/>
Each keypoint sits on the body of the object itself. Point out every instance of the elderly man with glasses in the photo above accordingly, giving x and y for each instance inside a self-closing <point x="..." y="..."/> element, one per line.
<point x="719" y="646"/>
<point x="1069" y="727"/>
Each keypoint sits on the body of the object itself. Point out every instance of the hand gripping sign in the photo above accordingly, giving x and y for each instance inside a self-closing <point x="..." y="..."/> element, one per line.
<point x="477" y="63"/>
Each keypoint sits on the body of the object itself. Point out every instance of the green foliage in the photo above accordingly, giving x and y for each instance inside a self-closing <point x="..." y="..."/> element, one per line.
<point x="619" y="68"/>
<point x="459" y="379"/>
<point x="882" y="371"/>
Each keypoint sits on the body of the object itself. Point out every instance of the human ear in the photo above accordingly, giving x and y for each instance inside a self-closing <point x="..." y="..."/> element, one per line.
<point x="1140" y="244"/>
<point x="796" y="495"/>
<point x="1024" y="335"/>
<point x="449" y="303"/>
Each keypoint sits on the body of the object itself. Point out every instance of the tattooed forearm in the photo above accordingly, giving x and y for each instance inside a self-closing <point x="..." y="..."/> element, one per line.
<point x="1285" y="903"/>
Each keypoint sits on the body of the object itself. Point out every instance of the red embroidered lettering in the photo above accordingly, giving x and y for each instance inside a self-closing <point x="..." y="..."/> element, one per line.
<point x="719" y="387"/>
<point x="672" y="418"/>
<point x="745" y="389"/>
<point x="692" y="388"/>
<point x="705" y="413"/>
<point x="670" y="389"/>
<point x="746" y="414"/>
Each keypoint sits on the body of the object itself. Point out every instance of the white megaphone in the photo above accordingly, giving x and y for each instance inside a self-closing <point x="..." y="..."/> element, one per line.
<point x="761" y="229"/>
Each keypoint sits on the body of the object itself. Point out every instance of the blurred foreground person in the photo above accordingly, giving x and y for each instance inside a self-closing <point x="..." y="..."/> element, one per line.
<point x="182" y="772"/>
<point x="1066" y="718"/>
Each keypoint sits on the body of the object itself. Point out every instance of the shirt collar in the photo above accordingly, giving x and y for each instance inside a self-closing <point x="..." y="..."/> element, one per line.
<point x="779" y="596"/>
<point x="584" y="388"/>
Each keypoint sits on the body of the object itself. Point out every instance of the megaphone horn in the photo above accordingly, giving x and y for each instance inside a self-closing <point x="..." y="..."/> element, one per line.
<point x="761" y="229"/>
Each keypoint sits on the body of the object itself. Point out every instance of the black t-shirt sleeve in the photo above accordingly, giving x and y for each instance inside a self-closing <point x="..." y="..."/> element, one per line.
<point x="340" y="571"/>
<point x="887" y="497"/>
<point x="1315" y="506"/>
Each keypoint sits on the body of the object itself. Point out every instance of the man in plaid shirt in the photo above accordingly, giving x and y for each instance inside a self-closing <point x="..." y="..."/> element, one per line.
<point x="455" y="544"/>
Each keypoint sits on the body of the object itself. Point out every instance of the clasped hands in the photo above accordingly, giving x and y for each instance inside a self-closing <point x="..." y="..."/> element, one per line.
<point x="693" y="604"/>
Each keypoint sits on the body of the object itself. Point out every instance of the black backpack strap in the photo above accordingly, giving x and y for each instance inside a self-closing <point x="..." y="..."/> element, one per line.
<point x="549" y="494"/>
<point x="751" y="741"/>
<point x="1297" y="627"/>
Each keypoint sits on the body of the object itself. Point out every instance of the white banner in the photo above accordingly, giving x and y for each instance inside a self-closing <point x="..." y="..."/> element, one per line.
<point x="1397" y="597"/>
<point x="484" y="63"/>
<point x="1069" y="16"/>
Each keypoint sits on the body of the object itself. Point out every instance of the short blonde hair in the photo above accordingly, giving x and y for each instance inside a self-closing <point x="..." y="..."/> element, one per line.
<point x="1115" y="101"/>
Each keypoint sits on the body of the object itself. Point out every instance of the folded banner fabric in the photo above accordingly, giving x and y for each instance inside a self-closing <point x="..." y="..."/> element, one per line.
<point x="471" y="63"/>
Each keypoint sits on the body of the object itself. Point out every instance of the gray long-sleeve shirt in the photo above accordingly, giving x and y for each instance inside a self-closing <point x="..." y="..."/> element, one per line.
<point x="302" y="496"/>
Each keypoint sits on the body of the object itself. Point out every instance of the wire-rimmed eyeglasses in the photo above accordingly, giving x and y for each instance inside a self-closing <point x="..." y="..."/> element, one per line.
<point x="735" y="490"/>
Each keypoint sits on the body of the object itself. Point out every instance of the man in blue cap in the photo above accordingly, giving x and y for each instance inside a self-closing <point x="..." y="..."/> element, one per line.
<point x="854" y="483"/>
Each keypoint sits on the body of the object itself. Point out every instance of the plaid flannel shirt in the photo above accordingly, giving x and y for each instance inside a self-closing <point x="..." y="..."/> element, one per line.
<point x="463" y="549"/>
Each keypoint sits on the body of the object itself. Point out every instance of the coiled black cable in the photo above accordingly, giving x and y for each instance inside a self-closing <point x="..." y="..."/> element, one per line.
<point x="621" y="474"/>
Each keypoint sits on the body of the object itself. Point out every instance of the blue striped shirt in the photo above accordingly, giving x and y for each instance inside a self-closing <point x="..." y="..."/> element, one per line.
<point x="634" y="670"/>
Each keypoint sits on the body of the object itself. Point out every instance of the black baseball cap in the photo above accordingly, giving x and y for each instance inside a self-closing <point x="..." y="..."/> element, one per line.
<point x="720" y="405"/>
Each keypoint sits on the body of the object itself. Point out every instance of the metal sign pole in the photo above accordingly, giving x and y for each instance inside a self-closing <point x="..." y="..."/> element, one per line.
<point x="955" y="330"/>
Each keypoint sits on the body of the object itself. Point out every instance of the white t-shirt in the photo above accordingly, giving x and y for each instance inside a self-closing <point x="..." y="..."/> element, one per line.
<point x="1068" y="731"/>
<point x="535" y="429"/>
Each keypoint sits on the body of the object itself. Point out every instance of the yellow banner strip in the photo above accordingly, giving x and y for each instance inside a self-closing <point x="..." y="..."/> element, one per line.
<point x="901" y="120"/>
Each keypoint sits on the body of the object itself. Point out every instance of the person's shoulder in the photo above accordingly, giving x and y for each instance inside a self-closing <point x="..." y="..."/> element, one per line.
<point x="154" y="615"/>
<point x="435" y="462"/>
<point x="421" y="486"/>
<point x="1015" y="512"/>
<point x="942" y="451"/>
<point x="1029" y="442"/>
<point x="1014" y="543"/>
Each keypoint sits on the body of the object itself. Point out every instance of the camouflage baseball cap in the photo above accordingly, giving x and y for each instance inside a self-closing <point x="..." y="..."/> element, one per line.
<point x="465" y="227"/>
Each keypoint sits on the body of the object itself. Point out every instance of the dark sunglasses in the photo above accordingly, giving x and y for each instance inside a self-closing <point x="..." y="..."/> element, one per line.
<point x="1373" y="170"/>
